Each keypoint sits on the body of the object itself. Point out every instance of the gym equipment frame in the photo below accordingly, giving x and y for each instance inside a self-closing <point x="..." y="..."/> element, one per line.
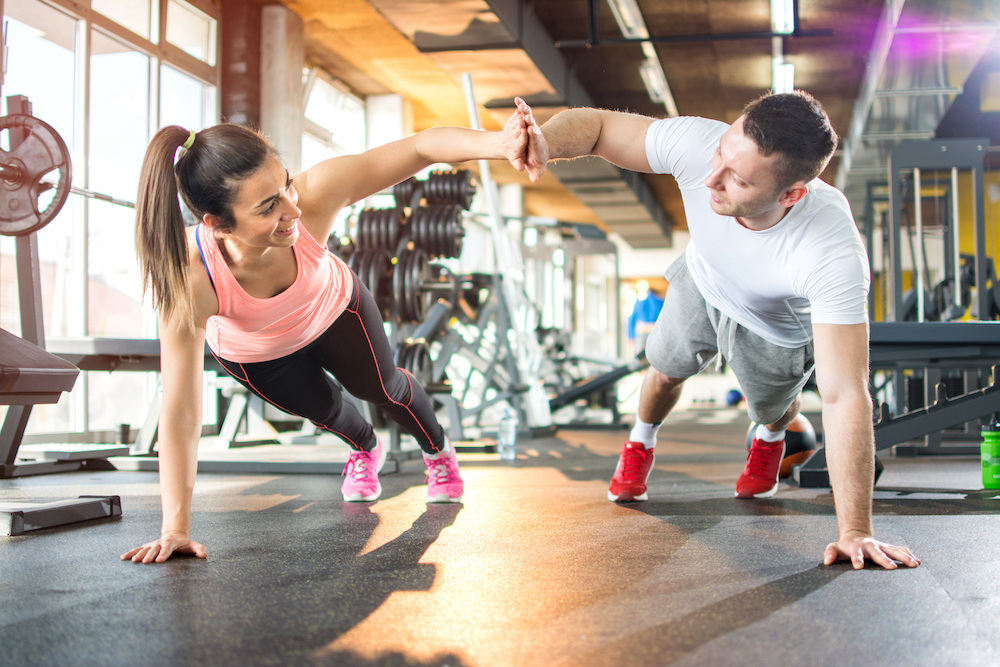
<point x="28" y="374"/>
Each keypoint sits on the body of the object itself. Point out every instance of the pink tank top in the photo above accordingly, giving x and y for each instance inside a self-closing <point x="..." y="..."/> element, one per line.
<point x="248" y="329"/>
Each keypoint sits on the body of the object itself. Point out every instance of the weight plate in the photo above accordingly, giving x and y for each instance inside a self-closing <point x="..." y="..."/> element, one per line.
<point x="381" y="281"/>
<point x="412" y="288"/>
<point x="398" y="286"/>
<point x="423" y="366"/>
<point x="383" y="228"/>
<point x="38" y="154"/>
<point x="395" y="223"/>
<point x="383" y="296"/>
<point x="418" y="229"/>
<point x="403" y="299"/>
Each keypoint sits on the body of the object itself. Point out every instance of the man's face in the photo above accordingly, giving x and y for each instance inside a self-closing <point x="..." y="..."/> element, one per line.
<point x="742" y="181"/>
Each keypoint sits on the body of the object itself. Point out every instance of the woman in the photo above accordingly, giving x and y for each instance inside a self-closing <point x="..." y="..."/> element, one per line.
<point x="255" y="280"/>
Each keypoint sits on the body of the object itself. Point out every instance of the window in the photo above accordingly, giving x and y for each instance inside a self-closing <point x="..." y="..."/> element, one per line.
<point x="41" y="46"/>
<point x="185" y="101"/>
<point x="90" y="277"/>
<point x="191" y="30"/>
<point x="335" y="123"/>
<point x="136" y="15"/>
<point x="119" y="131"/>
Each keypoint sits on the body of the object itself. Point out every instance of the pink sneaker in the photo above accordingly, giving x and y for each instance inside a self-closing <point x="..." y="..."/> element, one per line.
<point x="361" y="475"/>
<point x="444" y="483"/>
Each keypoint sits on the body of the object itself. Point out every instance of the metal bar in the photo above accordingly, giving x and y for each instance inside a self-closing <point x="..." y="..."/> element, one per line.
<point x="101" y="197"/>
<point x="919" y="92"/>
<point x="600" y="382"/>
<point x="893" y="136"/>
<point x="948" y="27"/>
<point x="879" y="54"/>
<point x="10" y="173"/>
<point x="594" y="22"/>
<point x="954" y="228"/>
<point x="670" y="39"/>
<point x="983" y="295"/>
<point x="495" y="46"/>
<point x="918" y="217"/>
<point x="895" y="268"/>
<point x="944" y="413"/>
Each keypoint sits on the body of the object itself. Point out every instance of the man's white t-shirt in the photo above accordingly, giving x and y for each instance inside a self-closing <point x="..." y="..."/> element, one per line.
<point x="810" y="267"/>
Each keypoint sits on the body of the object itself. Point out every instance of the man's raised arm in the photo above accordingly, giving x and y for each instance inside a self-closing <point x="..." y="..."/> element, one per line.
<point x="619" y="138"/>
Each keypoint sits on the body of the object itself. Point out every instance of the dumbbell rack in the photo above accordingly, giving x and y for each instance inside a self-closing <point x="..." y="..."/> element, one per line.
<point x="391" y="252"/>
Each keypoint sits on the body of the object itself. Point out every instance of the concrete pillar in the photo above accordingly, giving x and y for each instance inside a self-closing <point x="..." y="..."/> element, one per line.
<point x="282" y="109"/>
<point x="239" y="94"/>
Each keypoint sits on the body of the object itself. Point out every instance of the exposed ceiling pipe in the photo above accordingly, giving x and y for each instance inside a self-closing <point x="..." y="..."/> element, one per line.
<point x="576" y="175"/>
<point x="873" y="72"/>
<point x="628" y="16"/>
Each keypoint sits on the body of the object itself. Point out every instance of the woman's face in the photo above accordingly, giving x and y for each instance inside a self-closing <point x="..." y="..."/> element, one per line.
<point x="265" y="209"/>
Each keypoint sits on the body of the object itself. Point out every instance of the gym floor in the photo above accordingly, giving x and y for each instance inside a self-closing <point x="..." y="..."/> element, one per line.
<point x="536" y="567"/>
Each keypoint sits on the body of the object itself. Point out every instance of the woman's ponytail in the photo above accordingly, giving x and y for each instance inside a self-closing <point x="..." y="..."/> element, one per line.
<point x="207" y="177"/>
<point x="160" y="242"/>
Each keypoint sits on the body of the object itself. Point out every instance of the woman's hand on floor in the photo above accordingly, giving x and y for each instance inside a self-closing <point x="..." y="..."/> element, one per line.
<point x="161" y="549"/>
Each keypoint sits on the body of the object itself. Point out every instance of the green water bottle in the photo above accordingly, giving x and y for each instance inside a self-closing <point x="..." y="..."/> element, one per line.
<point x="990" y="450"/>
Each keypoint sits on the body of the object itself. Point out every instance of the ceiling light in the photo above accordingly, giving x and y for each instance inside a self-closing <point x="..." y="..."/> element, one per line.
<point x="782" y="77"/>
<point x="629" y="18"/>
<point x="656" y="82"/>
<point x="783" y="16"/>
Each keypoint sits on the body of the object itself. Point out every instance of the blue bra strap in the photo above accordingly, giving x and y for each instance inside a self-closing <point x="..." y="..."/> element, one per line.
<point x="197" y="239"/>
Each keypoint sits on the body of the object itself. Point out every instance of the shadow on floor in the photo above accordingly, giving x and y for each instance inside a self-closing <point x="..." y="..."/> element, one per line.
<point x="580" y="464"/>
<point x="279" y="593"/>
<point x="663" y="644"/>
<point x="348" y="659"/>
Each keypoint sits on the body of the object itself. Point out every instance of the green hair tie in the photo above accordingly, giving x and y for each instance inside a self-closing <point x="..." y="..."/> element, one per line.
<point x="190" y="141"/>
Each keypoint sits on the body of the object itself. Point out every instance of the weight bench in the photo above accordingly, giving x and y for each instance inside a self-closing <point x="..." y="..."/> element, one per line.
<point x="932" y="346"/>
<point x="143" y="354"/>
<point x="30" y="376"/>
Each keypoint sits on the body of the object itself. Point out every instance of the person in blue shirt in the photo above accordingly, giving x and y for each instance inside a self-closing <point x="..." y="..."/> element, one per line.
<point x="644" y="313"/>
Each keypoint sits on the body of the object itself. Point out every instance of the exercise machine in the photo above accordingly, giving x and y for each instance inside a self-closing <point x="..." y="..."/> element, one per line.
<point x="29" y="375"/>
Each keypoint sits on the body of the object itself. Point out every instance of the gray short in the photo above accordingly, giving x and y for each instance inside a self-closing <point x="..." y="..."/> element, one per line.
<point x="687" y="338"/>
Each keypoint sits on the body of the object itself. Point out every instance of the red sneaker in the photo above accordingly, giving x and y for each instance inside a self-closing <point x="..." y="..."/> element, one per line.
<point x="760" y="476"/>
<point x="634" y="464"/>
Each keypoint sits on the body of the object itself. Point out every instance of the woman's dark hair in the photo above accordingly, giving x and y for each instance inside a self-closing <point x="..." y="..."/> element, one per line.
<point x="207" y="177"/>
<point x="795" y="126"/>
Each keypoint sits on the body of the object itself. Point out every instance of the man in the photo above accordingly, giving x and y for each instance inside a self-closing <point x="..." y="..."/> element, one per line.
<point x="644" y="314"/>
<point x="775" y="280"/>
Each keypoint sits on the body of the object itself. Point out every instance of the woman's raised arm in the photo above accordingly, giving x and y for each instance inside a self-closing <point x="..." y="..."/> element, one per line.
<point x="341" y="181"/>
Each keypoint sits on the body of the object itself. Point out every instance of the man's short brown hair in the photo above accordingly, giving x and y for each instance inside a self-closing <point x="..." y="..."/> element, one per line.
<point x="795" y="126"/>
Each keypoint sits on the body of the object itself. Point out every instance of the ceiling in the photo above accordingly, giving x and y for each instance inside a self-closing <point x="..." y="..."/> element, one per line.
<point x="884" y="71"/>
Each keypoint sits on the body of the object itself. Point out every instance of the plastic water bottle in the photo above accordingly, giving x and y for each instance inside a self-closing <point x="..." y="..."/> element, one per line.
<point x="507" y="435"/>
<point x="990" y="450"/>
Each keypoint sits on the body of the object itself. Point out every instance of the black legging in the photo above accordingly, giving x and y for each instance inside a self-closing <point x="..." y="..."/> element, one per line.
<point x="356" y="351"/>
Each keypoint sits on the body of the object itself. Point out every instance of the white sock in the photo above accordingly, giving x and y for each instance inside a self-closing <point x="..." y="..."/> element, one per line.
<point x="767" y="435"/>
<point x="644" y="433"/>
<point x="444" y="451"/>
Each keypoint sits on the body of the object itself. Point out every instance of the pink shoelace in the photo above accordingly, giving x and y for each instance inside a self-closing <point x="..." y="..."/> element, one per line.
<point x="359" y="464"/>
<point x="441" y="469"/>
